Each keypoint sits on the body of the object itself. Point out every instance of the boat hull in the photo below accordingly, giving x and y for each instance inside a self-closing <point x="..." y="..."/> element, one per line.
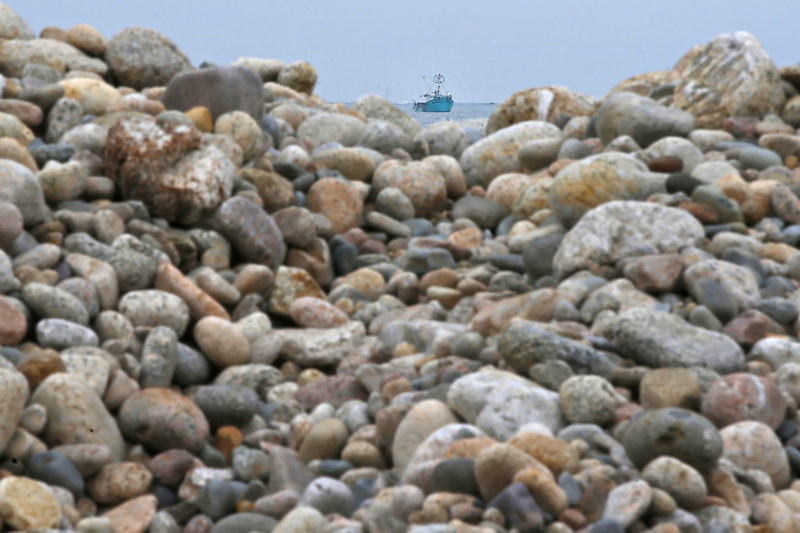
<point x="441" y="104"/>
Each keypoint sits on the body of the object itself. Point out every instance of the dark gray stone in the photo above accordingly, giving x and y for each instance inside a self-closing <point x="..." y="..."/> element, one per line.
<point x="219" y="89"/>
<point x="675" y="432"/>
<point x="520" y="509"/>
<point x="227" y="405"/>
<point x="525" y="344"/>
<point x="485" y="212"/>
<point x="54" y="468"/>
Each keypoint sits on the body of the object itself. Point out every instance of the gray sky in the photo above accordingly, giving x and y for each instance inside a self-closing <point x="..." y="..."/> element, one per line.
<point x="486" y="49"/>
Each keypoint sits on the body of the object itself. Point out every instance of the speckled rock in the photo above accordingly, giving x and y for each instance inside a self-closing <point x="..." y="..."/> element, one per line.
<point x="14" y="27"/>
<point x="141" y="57"/>
<point x="20" y="187"/>
<point x="133" y="516"/>
<point x="352" y="163"/>
<point x="155" y="308"/>
<point x="737" y="397"/>
<point x="375" y="107"/>
<point x="420" y="182"/>
<point x="13" y="396"/>
<point x="118" y="482"/>
<point x="660" y="339"/>
<point x="331" y="127"/>
<point x="679" y="480"/>
<point x="616" y="230"/>
<point x="627" y="502"/>
<point x="599" y="179"/>
<point x="338" y="201"/>
<point x="28" y="504"/>
<point x="548" y="103"/>
<point x="300" y="76"/>
<point x="727" y="77"/>
<point x="316" y="313"/>
<point x="500" y="402"/>
<point x="75" y="414"/>
<point x="15" y="54"/>
<point x="589" y="400"/>
<point x="192" y="177"/>
<point x="498" y="153"/>
<point x="751" y="444"/>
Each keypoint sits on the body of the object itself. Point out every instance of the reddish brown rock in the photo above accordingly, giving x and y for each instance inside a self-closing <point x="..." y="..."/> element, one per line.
<point x="655" y="273"/>
<point x="13" y="324"/>
<point x="167" y="168"/>
<point x="200" y="304"/>
<point x="170" y="467"/>
<point x="737" y="397"/>
<point x="316" y="313"/>
<point x="752" y="326"/>
<point x="666" y="163"/>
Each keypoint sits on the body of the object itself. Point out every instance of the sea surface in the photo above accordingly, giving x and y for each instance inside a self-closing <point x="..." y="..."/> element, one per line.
<point x="460" y="112"/>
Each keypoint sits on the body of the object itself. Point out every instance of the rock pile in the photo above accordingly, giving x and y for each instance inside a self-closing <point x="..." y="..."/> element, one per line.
<point x="227" y="305"/>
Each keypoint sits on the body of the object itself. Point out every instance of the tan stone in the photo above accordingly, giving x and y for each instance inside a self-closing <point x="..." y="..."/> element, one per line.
<point x="26" y="504"/>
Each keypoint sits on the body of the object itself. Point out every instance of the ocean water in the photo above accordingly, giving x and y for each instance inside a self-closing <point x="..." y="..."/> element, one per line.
<point x="476" y="114"/>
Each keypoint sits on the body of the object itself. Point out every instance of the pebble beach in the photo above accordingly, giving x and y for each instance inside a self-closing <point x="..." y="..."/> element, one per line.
<point x="230" y="306"/>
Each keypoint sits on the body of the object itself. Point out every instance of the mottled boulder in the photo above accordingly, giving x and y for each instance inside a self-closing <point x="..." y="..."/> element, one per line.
<point x="299" y="76"/>
<point x="329" y="127"/>
<point x="524" y="344"/>
<point x="168" y="168"/>
<point x="13" y="26"/>
<point x="218" y="89"/>
<point x="163" y="419"/>
<point x="20" y="187"/>
<point x="267" y="69"/>
<point x="673" y="432"/>
<point x="419" y="181"/>
<point x="444" y="138"/>
<point x="598" y="179"/>
<point x="659" y="340"/>
<point x="644" y="84"/>
<point x="616" y="230"/>
<point x="76" y="414"/>
<point x="498" y="153"/>
<point x="641" y="118"/>
<point x="374" y="106"/>
<point x="729" y="77"/>
<point x="14" y="392"/>
<point x="547" y="104"/>
<point x="63" y="57"/>
<point x="141" y="57"/>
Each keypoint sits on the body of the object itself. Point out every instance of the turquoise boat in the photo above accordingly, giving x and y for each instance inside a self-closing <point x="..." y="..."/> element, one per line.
<point x="437" y="100"/>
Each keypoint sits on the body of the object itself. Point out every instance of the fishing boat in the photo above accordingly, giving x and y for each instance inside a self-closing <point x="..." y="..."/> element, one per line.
<point x="437" y="99"/>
